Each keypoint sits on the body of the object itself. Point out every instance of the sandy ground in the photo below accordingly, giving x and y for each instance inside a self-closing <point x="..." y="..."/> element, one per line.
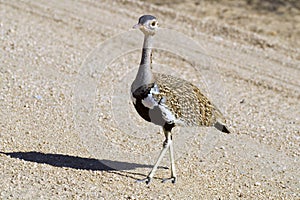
<point x="253" y="46"/>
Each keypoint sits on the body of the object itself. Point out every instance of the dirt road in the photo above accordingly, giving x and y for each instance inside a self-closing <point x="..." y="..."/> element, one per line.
<point x="252" y="48"/>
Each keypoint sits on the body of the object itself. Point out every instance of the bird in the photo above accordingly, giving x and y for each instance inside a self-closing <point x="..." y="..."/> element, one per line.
<point x="168" y="101"/>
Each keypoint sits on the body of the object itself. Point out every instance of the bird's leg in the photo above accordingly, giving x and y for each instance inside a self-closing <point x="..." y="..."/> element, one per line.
<point x="173" y="170"/>
<point x="166" y="145"/>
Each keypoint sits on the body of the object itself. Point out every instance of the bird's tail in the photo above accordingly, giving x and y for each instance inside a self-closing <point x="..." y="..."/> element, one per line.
<point x="221" y="127"/>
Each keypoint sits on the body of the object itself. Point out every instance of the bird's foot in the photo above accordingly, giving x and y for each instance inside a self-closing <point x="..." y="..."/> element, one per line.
<point x="146" y="180"/>
<point x="172" y="179"/>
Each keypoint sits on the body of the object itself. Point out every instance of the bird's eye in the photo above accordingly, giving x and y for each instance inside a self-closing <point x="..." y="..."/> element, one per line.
<point x="153" y="23"/>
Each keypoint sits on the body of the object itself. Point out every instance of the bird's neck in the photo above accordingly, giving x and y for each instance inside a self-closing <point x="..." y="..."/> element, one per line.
<point x="146" y="52"/>
<point x="144" y="75"/>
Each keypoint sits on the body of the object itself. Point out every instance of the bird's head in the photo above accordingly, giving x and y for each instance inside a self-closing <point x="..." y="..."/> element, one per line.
<point x="147" y="24"/>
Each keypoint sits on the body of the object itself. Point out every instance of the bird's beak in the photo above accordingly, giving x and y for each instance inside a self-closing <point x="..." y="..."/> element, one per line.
<point x="137" y="26"/>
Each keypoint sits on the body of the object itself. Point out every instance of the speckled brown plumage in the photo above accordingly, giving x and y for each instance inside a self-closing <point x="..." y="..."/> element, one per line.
<point x="186" y="101"/>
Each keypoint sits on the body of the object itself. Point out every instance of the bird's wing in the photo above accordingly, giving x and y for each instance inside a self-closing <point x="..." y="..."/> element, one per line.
<point x="185" y="101"/>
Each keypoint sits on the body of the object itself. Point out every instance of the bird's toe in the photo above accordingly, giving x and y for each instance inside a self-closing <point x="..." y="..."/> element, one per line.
<point x="172" y="179"/>
<point x="146" y="180"/>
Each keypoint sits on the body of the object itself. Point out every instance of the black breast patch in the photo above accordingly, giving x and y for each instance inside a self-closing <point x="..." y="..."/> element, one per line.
<point x="151" y="115"/>
<point x="143" y="91"/>
<point x="139" y="94"/>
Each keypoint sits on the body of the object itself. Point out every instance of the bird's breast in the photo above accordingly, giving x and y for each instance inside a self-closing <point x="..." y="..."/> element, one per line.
<point x="151" y="105"/>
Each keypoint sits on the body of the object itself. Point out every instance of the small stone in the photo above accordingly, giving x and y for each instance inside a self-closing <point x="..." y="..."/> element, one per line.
<point x="283" y="186"/>
<point x="38" y="97"/>
<point x="11" y="30"/>
<point x="257" y="183"/>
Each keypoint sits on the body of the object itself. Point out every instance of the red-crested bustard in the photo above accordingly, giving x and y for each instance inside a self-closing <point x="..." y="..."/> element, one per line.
<point x="168" y="101"/>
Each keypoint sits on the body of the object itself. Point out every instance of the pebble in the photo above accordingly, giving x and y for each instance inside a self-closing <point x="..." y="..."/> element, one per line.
<point x="38" y="97"/>
<point x="257" y="183"/>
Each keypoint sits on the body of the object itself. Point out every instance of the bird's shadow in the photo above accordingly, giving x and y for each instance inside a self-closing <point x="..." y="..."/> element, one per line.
<point x="60" y="160"/>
